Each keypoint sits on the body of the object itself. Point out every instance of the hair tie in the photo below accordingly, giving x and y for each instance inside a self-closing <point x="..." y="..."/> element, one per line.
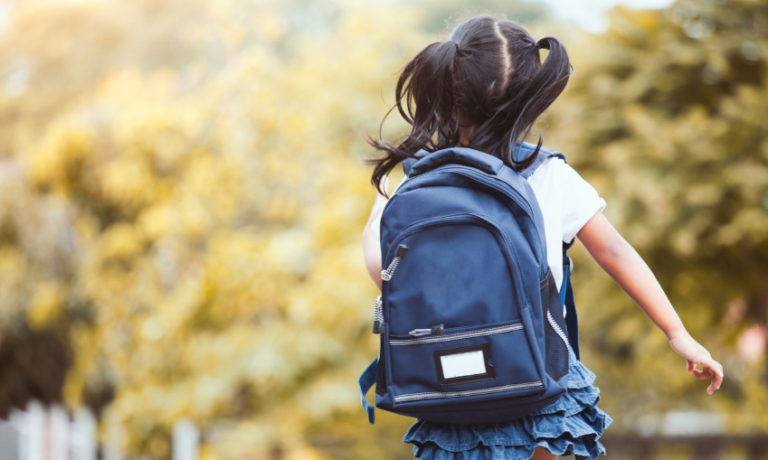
<point x="457" y="51"/>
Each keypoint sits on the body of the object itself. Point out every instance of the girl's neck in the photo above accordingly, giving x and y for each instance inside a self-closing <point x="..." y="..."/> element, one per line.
<point x="465" y="133"/>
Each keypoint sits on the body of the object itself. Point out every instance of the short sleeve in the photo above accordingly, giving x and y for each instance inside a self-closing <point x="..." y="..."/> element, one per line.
<point x="579" y="198"/>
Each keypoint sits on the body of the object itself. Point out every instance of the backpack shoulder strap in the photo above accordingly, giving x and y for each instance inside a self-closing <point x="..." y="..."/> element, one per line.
<point x="566" y="298"/>
<point x="366" y="380"/>
<point x="566" y="289"/>
<point x="544" y="153"/>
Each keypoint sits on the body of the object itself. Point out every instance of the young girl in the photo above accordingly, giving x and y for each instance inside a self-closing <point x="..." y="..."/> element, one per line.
<point x="484" y="88"/>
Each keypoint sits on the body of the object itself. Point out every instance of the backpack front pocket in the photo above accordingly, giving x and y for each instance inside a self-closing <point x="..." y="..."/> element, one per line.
<point x="459" y="269"/>
<point x="463" y="362"/>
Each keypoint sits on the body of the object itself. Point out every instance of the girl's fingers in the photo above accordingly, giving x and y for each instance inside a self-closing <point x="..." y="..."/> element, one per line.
<point x="713" y="386"/>
<point x="699" y="362"/>
<point x="717" y="380"/>
<point x="713" y="370"/>
<point x="702" y="372"/>
<point x="702" y="375"/>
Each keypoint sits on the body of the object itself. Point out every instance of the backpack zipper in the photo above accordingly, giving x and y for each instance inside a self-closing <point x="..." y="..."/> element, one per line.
<point x="558" y="330"/>
<point x="459" y="394"/>
<point x="387" y="274"/>
<point x="378" y="315"/>
<point x="486" y="331"/>
<point x="434" y="330"/>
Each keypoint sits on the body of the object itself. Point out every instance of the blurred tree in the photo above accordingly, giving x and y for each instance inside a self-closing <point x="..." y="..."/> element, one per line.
<point x="203" y="252"/>
<point x="664" y="116"/>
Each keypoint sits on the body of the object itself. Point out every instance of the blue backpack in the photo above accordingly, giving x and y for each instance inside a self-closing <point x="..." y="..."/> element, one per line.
<point x="470" y="321"/>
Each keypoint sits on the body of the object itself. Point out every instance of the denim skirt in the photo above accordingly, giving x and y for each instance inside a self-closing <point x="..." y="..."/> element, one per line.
<point x="572" y="425"/>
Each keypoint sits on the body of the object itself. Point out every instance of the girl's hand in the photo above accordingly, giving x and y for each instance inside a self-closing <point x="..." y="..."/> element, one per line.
<point x="700" y="362"/>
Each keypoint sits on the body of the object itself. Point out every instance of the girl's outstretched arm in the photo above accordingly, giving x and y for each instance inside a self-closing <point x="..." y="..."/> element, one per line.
<point x="620" y="260"/>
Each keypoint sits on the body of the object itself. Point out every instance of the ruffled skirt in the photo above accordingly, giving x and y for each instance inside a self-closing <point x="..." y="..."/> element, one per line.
<point x="572" y="425"/>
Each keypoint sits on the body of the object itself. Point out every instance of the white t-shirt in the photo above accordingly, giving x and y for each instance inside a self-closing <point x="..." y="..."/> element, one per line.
<point x="567" y="202"/>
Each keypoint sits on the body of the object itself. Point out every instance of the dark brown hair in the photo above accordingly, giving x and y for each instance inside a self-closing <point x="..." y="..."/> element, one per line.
<point x="488" y="74"/>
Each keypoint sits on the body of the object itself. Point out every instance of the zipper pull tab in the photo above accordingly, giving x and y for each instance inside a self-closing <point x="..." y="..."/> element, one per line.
<point x="434" y="330"/>
<point x="420" y="332"/>
<point x="387" y="274"/>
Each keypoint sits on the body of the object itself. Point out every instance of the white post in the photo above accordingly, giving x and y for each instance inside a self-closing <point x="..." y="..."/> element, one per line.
<point x="13" y="433"/>
<point x="59" y="433"/>
<point x="113" y="442"/>
<point x="83" y="435"/>
<point x="185" y="440"/>
<point x="32" y="436"/>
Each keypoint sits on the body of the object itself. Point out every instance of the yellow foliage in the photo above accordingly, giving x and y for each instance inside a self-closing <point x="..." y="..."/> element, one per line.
<point x="13" y="266"/>
<point x="305" y="453"/>
<point x="128" y="181"/>
<point x="120" y="241"/>
<point x="60" y="159"/>
<point x="45" y="306"/>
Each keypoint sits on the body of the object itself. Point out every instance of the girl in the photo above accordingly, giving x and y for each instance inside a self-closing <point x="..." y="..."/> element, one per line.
<point x="484" y="88"/>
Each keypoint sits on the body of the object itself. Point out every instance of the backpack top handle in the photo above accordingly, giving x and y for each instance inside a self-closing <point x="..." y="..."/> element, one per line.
<point x="462" y="155"/>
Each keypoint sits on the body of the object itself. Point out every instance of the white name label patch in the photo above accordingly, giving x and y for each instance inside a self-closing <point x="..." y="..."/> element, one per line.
<point x="463" y="364"/>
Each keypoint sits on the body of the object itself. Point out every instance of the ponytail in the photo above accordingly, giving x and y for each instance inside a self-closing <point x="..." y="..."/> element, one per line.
<point x="549" y="82"/>
<point x="526" y="99"/>
<point x="424" y="98"/>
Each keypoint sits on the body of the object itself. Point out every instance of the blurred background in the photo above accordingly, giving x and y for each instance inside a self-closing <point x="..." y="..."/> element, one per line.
<point x="182" y="196"/>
